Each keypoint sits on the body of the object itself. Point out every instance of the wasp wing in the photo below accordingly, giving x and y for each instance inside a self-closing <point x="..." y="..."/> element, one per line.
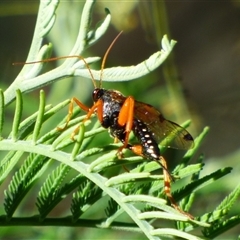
<point x="165" y="132"/>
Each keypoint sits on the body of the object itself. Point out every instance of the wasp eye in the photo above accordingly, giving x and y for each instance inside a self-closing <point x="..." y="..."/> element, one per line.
<point x="97" y="94"/>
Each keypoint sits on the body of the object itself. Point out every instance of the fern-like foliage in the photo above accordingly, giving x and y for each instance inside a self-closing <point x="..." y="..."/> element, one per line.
<point x="23" y="180"/>
<point x="46" y="160"/>
<point x="86" y="195"/>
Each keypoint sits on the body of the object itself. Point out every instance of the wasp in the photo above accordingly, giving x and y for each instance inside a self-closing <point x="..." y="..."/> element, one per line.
<point x="123" y="115"/>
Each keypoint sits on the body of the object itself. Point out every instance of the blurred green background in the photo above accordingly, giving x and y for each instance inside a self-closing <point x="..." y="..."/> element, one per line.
<point x="203" y="74"/>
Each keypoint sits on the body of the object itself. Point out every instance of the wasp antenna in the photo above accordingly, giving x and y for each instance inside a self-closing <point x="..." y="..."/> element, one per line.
<point x="40" y="61"/>
<point x="105" y="57"/>
<point x="87" y="65"/>
<point x="59" y="58"/>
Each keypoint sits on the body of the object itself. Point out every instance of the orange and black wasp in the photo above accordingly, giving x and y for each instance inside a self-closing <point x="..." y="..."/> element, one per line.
<point x="123" y="115"/>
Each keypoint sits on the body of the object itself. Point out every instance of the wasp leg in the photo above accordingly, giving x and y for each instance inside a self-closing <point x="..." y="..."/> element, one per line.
<point x="167" y="188"/>
<point x="83" y="107"/>
<point x="70" y="111"/>
<point x="125" y="118"/>
<point x="97" y="106"/>
<point x="138" y="149"/>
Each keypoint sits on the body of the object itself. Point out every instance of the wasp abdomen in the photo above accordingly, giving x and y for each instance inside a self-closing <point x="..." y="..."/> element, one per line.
<point x="148" y="142"/>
